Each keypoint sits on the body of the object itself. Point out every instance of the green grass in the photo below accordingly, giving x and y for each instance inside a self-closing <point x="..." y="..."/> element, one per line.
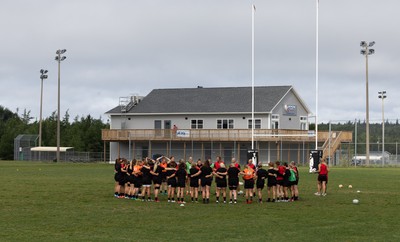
<point x="74" y="202"/>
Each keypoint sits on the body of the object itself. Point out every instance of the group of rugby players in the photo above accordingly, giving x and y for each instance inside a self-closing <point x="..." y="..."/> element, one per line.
<point x="134" y="179"/>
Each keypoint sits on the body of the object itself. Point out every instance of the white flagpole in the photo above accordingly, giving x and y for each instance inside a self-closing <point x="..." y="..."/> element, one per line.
<point x="316" y="77"/>
<point x="252" y="76"/>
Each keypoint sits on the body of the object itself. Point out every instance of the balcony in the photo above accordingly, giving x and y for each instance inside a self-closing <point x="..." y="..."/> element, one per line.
<point x="115" y="135"/>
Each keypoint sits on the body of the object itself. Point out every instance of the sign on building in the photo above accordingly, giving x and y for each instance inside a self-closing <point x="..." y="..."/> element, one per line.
<point x="183" y="133"/>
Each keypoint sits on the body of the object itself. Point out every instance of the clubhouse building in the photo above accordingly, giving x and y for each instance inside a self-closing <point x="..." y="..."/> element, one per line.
<point x="205" y="122"/>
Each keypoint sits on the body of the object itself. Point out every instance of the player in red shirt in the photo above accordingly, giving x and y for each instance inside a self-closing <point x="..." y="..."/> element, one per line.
<point x="217" y="163"/>
<point x="279" y="181"/>
<point x="323" y="170"/>
<point x="250" y="164"/>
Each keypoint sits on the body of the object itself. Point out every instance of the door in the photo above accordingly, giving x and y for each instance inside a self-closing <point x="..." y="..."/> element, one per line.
<point x="157" y="127"/>
<point x="167" y="128"/>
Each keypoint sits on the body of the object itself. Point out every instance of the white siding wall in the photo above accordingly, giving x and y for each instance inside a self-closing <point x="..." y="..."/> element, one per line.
<point x="184" y="121"/>
<point x="288" y="121"/>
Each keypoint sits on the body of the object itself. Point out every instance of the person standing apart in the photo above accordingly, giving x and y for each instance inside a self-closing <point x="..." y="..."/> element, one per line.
<point x="323" y="170"/>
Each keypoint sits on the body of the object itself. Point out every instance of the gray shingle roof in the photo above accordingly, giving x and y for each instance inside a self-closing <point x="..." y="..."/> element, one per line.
<point x="208" y="100"/>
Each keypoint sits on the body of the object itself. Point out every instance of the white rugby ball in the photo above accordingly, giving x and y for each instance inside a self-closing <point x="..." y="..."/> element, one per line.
<point x="340" y="186"/>
<point x="350" y="186"/>
<point x="182" y="205"/>
<point x="355" y="201"/>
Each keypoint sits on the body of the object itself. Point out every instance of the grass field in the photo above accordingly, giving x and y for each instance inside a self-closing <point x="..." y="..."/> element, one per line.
<point x="74" y="202"/>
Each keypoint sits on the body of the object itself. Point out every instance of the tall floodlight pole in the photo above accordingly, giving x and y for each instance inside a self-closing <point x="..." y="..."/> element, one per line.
<point x="366" y="51"/>
<point x="253" y="9"/>
<point x="316" y="74"/>
<point x="382" y="95"/>
<point x="42" y="77"/>
<point x="59" y="58"/>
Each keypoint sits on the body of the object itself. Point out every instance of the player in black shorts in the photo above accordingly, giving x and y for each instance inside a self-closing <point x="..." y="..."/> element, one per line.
<point x="248" y="177"/>
<point x="123" y="180"/>
<point x="296" y="183"/>
<point x="220" y="180"/>
<point x="233" y="181"/>
<point x="131" y="179"/>
<point x="117" y="177"/>
<point x="194" y="174"/>
<point x="199" y="164"/>
<point x="181" y="181"/>
<point x="286" y="183"/>
<point x="146" y="180"/>
<point x="279" y="180"/>
<point x="261" y="175"/>
<point x="206" y="180"/>
<point x="157" y="178"/>
<point x="271" y="182"/>
<point x="137" y="180"/>
<point x="171" y="180"/>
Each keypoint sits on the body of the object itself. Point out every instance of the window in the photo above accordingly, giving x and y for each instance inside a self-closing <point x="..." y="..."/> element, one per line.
<point x="275" y="121"/>
<point x="157" y="124"/>
<point x="257" y="124"/>
<point x="303" y="122"/>
<point x="197" y="124"/>
<point x="225" y="124"/>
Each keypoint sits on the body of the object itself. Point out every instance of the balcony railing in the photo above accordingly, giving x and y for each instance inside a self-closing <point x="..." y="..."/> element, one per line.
<point x="215" y="135"/>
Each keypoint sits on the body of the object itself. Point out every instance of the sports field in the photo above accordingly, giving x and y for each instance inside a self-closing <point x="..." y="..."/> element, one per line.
<point x="74" y="202"/>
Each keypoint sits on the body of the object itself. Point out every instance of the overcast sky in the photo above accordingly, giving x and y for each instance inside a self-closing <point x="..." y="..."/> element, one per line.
<point x="123" y="47"/>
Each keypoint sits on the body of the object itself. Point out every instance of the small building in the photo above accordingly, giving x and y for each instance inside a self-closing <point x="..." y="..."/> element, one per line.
<point x="205" y="122"/>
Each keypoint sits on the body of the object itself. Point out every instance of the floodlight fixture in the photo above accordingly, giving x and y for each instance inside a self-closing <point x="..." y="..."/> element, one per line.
<point x="362" y="52"/>
<point x="363" y="44"/>
<point x="59" y="52"/>
<point x="63" y="58"/>
<point x="371" y="51"/>
<point x="371" y="43"/>
<point x="382" y="94"/>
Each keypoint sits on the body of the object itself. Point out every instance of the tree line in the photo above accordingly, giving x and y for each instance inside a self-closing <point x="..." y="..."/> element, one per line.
<point x="82" y="133"/>
<point x="392" y="133"/>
